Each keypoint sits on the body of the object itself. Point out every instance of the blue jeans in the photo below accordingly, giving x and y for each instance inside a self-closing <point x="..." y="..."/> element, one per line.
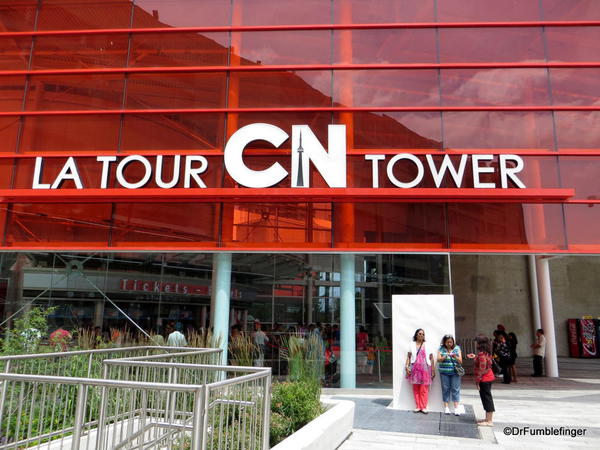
<point x="450" y="387"/>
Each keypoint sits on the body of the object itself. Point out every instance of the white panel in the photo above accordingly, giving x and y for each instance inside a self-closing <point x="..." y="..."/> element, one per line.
<point x="433" y="313"/>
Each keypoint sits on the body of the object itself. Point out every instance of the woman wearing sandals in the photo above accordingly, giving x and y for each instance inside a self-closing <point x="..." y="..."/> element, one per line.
<point x="420" y="370"/>
<point x="448" y="356"/>
<point x="484" y="376"/>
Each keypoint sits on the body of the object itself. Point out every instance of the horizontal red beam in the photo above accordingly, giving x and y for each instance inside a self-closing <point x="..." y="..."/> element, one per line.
<point x="287" y="195"/>
<point x="299" y="67"/>
<point x="307" y="27"/>
<point x="95" y="112"/>
<point x="309" y="248"/>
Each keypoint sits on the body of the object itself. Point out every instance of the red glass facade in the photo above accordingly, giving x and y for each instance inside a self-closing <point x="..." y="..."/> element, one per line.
<point x="166" y="77"/>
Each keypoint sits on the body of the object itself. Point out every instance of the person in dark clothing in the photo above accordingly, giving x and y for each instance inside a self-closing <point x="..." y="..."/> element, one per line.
<point x="504" y="358"/>
<point x="512" y="345"/>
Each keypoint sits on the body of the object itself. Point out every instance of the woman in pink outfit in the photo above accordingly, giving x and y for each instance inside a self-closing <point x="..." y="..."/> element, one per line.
<point x="420" y="370"/>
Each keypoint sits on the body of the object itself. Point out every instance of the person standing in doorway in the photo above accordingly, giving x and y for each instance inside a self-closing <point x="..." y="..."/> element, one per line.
<point x="539" y="351"/>
<point x="420" y="370"/>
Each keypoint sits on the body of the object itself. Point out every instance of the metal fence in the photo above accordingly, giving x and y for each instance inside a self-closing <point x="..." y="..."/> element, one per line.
<point x="154" y="401"/>
<point x="88" y="363"/>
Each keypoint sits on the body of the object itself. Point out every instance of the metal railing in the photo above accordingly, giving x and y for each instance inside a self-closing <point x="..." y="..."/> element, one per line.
<point x="88" y="363"/>
<point x="154" y="401"/>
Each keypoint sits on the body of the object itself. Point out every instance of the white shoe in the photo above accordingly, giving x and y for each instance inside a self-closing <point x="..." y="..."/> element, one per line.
<point x="459" y="411"/>
<point x="425" y="411"/>
<point x="417" y="410"/>
<point x="447" y="410"/>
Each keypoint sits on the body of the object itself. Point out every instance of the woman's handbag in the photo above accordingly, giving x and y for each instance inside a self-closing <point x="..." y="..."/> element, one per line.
<point x="458" y="368"/>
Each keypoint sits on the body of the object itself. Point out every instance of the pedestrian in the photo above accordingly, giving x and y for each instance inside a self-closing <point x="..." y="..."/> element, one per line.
<point x="539" y="351"/>
<point x="503" y="352"/>
<point x="512" y="345"/>
<point x="484" y="377"/>
<point x="448" y="357"/>
<point x="420" y="370"/>
<point x="176" y="338"/>
<point x="260" y="340"/>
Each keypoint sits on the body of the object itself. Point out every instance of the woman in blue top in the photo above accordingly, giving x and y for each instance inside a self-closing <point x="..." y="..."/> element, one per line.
<point x="448" y="356"/>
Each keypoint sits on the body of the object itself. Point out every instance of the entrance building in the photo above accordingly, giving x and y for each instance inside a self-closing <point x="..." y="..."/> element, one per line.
<point x="223" y="161"/>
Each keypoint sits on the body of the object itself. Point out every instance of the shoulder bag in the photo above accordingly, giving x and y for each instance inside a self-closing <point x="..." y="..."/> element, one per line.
<point x="458" y="368"/>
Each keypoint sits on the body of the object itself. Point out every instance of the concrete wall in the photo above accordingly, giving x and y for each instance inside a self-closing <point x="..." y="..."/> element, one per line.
<point x="489" y="290"/>
<point x="575" y="292"/>
<point x="495" y="289"/>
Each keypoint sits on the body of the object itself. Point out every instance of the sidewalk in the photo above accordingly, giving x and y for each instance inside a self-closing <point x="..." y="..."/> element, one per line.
<point x="539" y="403"/>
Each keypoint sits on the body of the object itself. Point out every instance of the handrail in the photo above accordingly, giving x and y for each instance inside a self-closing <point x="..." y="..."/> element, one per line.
<point x="85" y="352"/>
<point x="101" y="382"/>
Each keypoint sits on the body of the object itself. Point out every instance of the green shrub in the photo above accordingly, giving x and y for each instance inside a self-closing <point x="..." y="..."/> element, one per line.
<point x="293" y="405"/>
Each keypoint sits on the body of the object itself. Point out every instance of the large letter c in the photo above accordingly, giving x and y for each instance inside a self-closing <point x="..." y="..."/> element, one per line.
<point x="234" y="149"/>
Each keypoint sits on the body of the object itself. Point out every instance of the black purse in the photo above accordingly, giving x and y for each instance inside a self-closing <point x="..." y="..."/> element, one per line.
<point x="458" y="368"/>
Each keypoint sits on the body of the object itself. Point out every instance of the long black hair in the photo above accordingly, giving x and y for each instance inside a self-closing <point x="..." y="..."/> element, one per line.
<point x="417" y="332"/>
<point x="483" y="344"/>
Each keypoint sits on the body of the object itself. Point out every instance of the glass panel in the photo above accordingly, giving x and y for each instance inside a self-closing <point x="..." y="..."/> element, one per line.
<point x="182" y="224"/>
<point x="406" y="224"/>
<point x="488" y="10"/>
<point x="84" y="51"/>
<point x="509" y="227"/>
<point x="575" y="86"/>
<point x="173" y="131"/>
<point x="53" y="225"/>
<point x="75" y="92"/>
<point x="179" y="49"/>
<point x="498" y="129"/>
<point x="485" y="87"/>
<point x="273" y="47"/>
<point x="84" y="14"/>
<point x="491" y="45"/>
<point x="409" y="130"/>
<point x="384" y="46"/>
<point x="277" y="225"/>
<point x="281" y="12"/>
<point x="9" y="126"/>
<point x="577" y="129"/>
<point x="281" y="89"/>
<point x="581" y="174"/>
<point x="581" y="236"/>
<point x="181" y="13"/>
<point x="384" y="11"/>
<point x="6" y="171"/>
<point x="571" y="10"/>
<point x="318" y="123"/>
<point x="18" y="15"/>
<point x="572" y="43"/>
<point x="70" y="133"/>
<point x="375" y="88"/>
<point x="182" y="90"/>
<point x="14" y="53"/>
<point x="11" y="97"/>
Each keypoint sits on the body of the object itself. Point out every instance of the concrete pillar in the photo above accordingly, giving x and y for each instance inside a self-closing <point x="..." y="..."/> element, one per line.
<point x="220" y="300"/>
<point x="347" y="323"/>
<point x="380" y="325"/>
<point x="547" y="315"/>
<point x="533" y="293"/>
<point x="98" y="313"/>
